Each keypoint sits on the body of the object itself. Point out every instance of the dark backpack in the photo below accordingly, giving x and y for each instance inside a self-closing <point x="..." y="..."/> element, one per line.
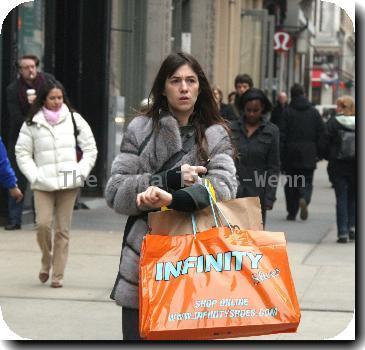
<point x="346" y="149"/>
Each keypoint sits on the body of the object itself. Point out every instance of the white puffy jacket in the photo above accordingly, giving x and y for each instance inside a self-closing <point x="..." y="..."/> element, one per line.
<point x="46" y="154"/>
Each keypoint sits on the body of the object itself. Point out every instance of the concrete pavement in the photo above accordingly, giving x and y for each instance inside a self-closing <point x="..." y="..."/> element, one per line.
<point x="323" y="272"/>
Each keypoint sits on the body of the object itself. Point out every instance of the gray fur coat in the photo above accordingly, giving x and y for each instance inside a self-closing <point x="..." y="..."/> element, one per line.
<point x="131" y="173"/>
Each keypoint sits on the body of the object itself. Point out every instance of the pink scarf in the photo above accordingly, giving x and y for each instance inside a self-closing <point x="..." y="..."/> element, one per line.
<point x="52" y="117"/>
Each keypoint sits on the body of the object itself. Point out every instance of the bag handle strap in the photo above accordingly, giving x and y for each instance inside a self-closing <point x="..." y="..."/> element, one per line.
<point x="211" y="200"/>
<point x="214" y="204"/>
<point x="186" y="148"/>
<point x="76" y="130"/>
<point x="214" y="207"/>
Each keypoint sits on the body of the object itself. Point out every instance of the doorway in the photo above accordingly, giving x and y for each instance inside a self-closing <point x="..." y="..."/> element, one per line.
<point x="77" y="53"/>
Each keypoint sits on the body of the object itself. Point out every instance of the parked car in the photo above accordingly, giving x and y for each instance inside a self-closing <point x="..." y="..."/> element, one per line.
<point x="326" y="111"/>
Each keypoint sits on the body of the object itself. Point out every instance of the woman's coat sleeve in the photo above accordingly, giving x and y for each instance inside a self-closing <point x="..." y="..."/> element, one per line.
<point x="125" y="181"/>
<point x="24" y="154"/>
<point x="221" y="168"/>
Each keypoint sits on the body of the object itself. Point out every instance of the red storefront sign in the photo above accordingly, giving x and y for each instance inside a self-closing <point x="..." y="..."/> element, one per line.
<point x="282" y="41"/>
<point x="316" y="77"/>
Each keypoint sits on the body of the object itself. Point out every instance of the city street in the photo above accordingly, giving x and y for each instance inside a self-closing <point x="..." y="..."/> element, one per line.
<point x="74" y="77"/>
<point x="323" y="272"/>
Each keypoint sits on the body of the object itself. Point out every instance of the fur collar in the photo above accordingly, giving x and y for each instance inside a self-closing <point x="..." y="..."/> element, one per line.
<point x="163" y="144"/>
<point x="166" y="141"/>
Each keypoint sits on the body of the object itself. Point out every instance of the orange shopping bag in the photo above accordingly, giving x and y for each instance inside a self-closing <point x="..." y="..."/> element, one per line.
<point x="220" y="283"/>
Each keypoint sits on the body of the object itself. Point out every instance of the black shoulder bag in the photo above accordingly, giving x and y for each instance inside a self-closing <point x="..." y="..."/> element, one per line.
<point x="79" y="152"/>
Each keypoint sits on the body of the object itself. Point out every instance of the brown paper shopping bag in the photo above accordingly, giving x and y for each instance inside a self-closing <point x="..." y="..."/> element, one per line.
<point x="244" y="212"/>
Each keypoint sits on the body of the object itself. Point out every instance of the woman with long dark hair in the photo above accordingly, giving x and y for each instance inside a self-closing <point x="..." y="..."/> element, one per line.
<point x="164" y="154"/>
<point x="46" y="155"/>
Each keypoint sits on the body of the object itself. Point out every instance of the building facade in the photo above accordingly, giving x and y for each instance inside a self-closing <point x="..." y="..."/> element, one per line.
<point x="333" y="72"/>
<point x="107" y="53"/>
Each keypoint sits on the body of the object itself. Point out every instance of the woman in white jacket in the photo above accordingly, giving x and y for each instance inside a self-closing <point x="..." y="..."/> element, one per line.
<point x="46" y="154"/>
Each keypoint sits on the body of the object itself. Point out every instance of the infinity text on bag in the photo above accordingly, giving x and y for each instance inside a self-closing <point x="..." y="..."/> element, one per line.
<point x="205" y="263"/>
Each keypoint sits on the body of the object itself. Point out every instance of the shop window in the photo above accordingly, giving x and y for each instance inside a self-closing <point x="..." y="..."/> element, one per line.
<point x="30" y="23"/>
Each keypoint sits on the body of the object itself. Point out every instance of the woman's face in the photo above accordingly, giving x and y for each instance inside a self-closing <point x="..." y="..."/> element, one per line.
<point x="182" y="90"/>
<point x="54" y="99"/>
<point x="253" y="112"/>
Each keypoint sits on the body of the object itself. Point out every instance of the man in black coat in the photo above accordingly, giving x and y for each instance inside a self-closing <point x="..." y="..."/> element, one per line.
<point x="20" y="94"/>
<point x="277" y="113"/>
<point x="301" y="131"/>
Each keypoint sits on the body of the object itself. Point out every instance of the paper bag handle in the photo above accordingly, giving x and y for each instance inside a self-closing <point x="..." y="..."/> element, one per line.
<point x="214" y="207"/>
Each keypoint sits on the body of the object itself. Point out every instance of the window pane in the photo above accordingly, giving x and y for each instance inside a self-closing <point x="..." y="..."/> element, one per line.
<point x="31" y="28"/>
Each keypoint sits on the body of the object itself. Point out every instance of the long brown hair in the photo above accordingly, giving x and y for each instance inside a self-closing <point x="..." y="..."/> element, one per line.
<point x="205" y="110"/>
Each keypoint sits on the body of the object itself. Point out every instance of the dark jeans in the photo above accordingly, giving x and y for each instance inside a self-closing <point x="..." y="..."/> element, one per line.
<point x="299" y="185"/>
<point x="15" y="210"/>
<point x="130" y="324"/>
<point x="345" y="204"/>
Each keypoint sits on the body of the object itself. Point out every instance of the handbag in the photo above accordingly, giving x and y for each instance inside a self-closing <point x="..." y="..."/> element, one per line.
<point x="223" y="282"/>
<point x="79" y="152"/>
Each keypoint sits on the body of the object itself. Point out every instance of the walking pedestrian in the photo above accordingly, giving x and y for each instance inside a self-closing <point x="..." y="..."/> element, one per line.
<point x="277" y="113"/>
<point x="46" y="154"/>
<point x="218" y="96"/>
<point x="257" y="144"/>
<point x="339" y="148"/>
<point x="8" y="179"/>
<point x="163" y="155"/>
<point x="20" y="96"/>
<point x="302" y="129"/>
<point x="242" y="83"/>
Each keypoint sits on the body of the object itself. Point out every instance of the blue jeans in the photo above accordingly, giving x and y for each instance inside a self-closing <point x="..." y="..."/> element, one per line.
<point x="345" y="204"/>
<point x="15" y="211"/>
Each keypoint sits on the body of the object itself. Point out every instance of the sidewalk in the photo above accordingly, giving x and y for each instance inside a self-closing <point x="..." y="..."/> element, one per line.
<point x="323" y="272"/>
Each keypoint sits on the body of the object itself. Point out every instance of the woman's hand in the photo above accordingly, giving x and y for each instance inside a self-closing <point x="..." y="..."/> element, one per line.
<point x="153" y="197"/>
<point x="191" y="173"/>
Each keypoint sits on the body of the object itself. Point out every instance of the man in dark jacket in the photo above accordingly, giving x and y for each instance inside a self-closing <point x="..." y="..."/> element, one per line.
<point x="234" y="111"/>
<point x="277" y="113"/>
<point x="20" y="94"/>
<point x="301" y="131"/>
